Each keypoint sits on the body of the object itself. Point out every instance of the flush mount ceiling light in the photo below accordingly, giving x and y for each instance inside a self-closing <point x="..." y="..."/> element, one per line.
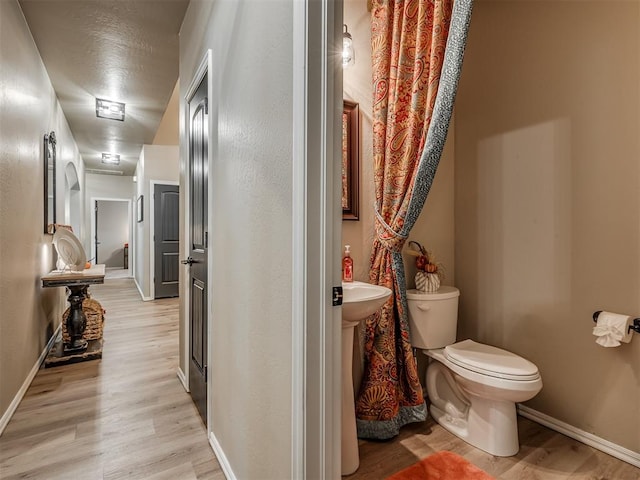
<point x="111" y="158"/>
<point x="348" y="54"/>
<point x="109" y="109"/>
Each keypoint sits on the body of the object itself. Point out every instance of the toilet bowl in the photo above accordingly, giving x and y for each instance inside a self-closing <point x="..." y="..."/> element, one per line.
<point x="472" y="387"/>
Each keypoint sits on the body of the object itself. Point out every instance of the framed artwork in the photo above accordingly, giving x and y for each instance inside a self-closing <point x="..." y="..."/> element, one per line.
<point x="350" y="160"/>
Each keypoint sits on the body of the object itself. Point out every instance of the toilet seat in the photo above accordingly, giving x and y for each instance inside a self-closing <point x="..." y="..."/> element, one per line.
<point x="491" y="361"/>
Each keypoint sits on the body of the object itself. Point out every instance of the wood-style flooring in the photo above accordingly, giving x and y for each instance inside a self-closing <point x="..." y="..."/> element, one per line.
<point x="125" y="416"/>
<point x="544" y="455"/>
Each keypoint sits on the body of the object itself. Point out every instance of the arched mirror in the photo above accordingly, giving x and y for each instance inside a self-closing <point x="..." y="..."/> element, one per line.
<point x="72" y="198"/>
<point x="49" y="182"/>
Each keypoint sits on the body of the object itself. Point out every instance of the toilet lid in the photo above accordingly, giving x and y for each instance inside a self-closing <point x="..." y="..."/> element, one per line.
<point x="489" y="360"/>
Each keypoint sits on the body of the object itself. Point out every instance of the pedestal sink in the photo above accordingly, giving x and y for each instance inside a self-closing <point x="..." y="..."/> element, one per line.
<point x="359" y="301"/>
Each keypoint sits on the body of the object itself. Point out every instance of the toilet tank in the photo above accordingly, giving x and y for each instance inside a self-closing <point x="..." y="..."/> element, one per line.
<point x="433" y="317"/>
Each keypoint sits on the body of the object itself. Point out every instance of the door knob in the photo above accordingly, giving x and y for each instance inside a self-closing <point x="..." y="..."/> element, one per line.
<point x="188" y="261"/>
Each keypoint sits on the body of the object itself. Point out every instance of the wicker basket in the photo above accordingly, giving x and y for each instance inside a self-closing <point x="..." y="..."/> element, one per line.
<point x="94" y="313"/>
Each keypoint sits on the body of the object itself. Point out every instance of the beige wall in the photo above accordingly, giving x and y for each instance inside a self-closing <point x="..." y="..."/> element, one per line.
<point x="435" y="225"/>
<point x="547" y="207"/>
<point x="168" y="132"/>
<point x="28" y="313"/>
<point x="156" y="163"/>
<point x="250" y="185"/>
<point x="357" y="88"/>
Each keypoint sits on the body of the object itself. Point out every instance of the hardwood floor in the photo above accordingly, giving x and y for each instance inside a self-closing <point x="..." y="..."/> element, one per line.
<point x="544" y="455"/>
<point x="125" y="416"/>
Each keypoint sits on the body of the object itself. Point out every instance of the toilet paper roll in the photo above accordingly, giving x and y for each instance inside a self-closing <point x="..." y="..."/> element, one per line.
<point x="612" y="329"/>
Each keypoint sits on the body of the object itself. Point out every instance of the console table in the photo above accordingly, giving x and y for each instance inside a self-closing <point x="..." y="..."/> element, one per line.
<point x="78" y="349"/>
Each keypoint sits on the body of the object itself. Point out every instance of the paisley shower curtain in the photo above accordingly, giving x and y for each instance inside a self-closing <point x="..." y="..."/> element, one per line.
<point x="417" y="49"/>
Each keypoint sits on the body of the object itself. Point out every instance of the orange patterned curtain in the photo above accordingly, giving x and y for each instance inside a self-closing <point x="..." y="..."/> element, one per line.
<point x="408" y="46"/>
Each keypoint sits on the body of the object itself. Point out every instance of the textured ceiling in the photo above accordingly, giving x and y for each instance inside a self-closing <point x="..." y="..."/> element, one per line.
<point x="120" y="50"/>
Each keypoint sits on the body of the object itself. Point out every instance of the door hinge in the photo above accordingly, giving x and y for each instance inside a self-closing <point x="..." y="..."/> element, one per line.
<point x="206" y="369"/>
<point x="206" y="239"/>
<point x="337" y="296"/>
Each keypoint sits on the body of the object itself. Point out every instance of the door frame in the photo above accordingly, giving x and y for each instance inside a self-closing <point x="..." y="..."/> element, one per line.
<point x="152" y="243"/>
<point x="93" y="232"/>
<point x="317" y="238"/>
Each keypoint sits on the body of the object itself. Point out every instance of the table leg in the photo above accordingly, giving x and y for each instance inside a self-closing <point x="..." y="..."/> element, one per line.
<point x="76" y="321"/>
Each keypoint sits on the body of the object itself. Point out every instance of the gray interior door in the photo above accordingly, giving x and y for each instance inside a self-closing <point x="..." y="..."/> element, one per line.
<point x="197" y="261"/>
<point x="166" y="240"/>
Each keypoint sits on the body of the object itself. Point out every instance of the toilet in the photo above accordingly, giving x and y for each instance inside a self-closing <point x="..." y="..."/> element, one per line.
<point x="472" y="387"/>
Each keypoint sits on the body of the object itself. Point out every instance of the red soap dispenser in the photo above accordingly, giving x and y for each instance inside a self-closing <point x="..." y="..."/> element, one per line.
<point x="347" y="265"/>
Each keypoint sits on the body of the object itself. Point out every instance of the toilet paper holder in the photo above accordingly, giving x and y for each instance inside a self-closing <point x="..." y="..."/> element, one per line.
<point x="635" y="327"/>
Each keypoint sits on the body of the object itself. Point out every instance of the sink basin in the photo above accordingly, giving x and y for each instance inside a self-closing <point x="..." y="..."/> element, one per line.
<point x="362" y="299"/>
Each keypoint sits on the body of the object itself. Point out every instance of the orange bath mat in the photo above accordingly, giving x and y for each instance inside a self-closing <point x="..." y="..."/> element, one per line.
<point x="441" y="466"/>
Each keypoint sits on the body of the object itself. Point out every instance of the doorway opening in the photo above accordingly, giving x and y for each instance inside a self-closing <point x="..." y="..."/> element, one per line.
<point x="111" y="235"/>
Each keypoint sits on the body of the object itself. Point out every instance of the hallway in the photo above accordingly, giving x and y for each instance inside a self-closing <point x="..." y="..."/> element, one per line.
<point x="125" y="416"/>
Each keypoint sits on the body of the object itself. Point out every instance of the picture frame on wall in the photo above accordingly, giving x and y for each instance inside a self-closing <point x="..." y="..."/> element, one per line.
<point x="350" y="160"/>
<point x="140" y="208"/>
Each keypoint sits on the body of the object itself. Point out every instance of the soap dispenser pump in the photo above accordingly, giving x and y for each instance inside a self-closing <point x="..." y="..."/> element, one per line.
<point x="347" y="265"/>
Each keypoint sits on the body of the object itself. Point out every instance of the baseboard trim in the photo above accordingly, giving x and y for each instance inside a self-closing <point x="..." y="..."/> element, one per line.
<point x="183" y="379"/>
<point x="144" y="299"/>
<point x="6" y="417"/>
<point x="222" y="458"/>
<point x="587" y="438"/>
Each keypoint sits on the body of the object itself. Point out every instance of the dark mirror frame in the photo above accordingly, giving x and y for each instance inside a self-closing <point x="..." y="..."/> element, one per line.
<point x="49" y="182"/>
<point x="350" y="160"/>
<point x="140" y="209"/>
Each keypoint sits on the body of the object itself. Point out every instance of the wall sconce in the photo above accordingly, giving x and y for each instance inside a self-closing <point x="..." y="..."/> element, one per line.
<point x="348" y="54"/>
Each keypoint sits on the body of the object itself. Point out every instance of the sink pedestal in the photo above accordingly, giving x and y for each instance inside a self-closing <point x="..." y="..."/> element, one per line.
<point x="350" y="455"/>
<point x="359" y="302"/>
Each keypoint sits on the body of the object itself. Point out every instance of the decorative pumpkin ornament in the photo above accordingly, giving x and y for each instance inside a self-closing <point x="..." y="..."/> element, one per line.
<point x="427" y="282"/>
<point x="430" y="273"/>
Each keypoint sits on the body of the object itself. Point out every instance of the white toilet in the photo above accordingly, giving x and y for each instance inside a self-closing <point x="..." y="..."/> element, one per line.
<point x="473" y="388"/>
